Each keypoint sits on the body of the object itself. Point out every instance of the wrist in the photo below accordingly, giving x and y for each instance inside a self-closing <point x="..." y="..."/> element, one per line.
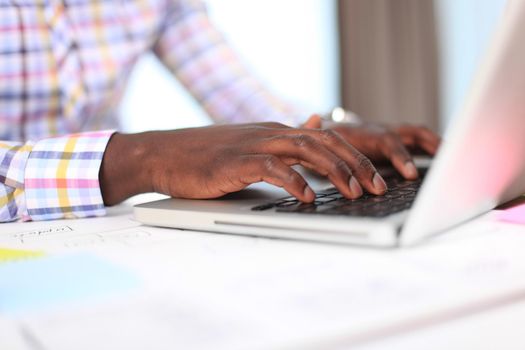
<point x="124" y="172"/>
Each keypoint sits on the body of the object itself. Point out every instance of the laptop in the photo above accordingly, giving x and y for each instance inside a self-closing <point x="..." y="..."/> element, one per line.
<point x="480" y="164"/>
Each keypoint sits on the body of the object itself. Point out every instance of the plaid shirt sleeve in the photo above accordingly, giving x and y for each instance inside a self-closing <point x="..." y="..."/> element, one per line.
<point x="53" y="178"/>
<point x="199" y="56"/>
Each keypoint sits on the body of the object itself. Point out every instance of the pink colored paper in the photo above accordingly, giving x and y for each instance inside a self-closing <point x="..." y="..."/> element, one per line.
<point x="514" y="215"/>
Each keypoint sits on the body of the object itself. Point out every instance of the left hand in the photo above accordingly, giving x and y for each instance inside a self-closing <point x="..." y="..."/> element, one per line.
<point x="379" y="142"/>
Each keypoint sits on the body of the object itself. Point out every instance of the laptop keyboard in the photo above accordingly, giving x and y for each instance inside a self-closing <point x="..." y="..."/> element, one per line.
<point x="399" y="196"/>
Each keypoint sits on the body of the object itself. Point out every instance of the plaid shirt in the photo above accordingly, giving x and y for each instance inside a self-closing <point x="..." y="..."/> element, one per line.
<point x="63" y="67"/>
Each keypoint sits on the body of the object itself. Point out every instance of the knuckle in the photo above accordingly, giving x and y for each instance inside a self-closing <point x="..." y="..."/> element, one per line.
<point x="340" y="166"/>
<point x="270" y="163"/>
<point x="303" y="141"/>
<point x="328" y="135"/>
<point x="364" y="163"/>
<point x="294" y="178"/>
<point x="405" y="155"/>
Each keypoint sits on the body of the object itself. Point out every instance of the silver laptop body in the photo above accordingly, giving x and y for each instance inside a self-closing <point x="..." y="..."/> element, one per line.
<point x="481" y="164"/>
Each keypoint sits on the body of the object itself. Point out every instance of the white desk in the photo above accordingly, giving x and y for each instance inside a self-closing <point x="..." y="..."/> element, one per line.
<point x="198" y="290"/>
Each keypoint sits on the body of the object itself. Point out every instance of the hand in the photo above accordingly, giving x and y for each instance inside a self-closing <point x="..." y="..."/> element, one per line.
<point x="212" y="161"/>
<point x="383" y="143"/>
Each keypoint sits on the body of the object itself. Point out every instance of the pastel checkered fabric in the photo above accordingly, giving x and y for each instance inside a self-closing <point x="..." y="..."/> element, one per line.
<point x="63" y="68"/>
<point x="61" y="176"/>
<point x="14" y="158"/>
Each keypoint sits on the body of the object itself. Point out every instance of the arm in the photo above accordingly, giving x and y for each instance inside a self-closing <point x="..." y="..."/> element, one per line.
<point x="195" y="51"/>
<point x="198" y="55"/>
<point x="210" y="162"/>
<point x="53" y="178"/>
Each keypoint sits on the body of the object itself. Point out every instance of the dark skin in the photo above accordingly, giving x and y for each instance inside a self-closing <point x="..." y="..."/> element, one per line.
<point x="381" y="143"/>
<point x="212" y="161"/>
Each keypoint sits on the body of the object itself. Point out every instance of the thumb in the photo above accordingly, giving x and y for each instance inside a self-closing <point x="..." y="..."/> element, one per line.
<point x="314" y="122"/>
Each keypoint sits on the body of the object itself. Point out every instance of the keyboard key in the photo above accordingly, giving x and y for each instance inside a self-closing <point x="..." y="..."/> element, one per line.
<point x="324" y="200"/>
<point x="298" y="207"/>
<point x="399" y="196"/>
<point x="263" y="207"/>
<point x="329" y="191"/>
<point x="286" y="204"/>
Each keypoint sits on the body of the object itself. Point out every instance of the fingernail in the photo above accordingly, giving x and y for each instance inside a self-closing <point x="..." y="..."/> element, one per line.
<point x="355" y="187"/>
<point x="379" y="183"/>
<point x="308" y="192"/>
<point x="411" y="169"/>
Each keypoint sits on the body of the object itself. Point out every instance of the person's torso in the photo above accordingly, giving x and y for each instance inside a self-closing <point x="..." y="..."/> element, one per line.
<point x="64" y="63"/>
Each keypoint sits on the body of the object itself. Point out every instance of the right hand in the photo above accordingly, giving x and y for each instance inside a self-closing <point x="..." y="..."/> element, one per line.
<point x="212" y="161"/>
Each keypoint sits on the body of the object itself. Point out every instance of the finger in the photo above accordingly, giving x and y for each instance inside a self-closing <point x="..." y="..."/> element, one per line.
<point x="423" y="137"/>
<point x="409" y="140"/>
<point x="314" y="122"/>
<point x="430" y="145"/>
<point x="428" y="135"/>
<point x="427" y="140"/>
<point x="393" y="149"/>
<point x="361" y="167"/>
<point x="270" y="169"/>
<point x="430" y="148"/>
<point x="308" y="152"/>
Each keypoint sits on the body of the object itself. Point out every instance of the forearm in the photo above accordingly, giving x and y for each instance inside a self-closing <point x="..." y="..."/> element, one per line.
<point x="204" y="62"/>
<point x="125" y="169"/>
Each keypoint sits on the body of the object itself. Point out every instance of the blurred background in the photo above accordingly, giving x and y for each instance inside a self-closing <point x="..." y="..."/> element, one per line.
<point x="387" y="60"/>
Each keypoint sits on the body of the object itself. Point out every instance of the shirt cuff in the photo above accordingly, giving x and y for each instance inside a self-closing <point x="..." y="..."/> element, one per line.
<point x="62" y="177"/>
<point x="13" y="159"/>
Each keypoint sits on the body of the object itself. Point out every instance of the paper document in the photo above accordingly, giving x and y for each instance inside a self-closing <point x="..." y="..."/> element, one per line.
<point x="9" y="255"/>
<point x="209" y="291"/>
<point x="30" y="285"/>
<point x="205" y="291"/>
<point x="515" y="215"/>
<point x="58" y="236"/>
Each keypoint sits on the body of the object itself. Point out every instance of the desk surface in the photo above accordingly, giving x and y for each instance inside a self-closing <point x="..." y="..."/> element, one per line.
<point x="465" y="289"/>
